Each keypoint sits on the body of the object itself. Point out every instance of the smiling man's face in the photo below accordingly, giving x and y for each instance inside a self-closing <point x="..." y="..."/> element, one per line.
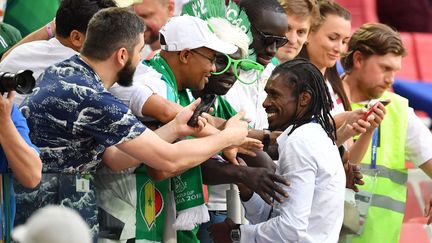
<point x="280" y="103"/>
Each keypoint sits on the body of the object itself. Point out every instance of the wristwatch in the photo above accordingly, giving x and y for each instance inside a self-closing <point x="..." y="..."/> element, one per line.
<point x="266" y="139"/>
<point x="235" y="234"/>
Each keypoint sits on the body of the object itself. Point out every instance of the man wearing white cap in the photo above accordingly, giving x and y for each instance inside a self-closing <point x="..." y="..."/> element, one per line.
<point x="188" y="50"/>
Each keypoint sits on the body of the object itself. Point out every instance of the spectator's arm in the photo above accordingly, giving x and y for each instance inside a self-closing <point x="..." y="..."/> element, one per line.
<point x="22" y="158"/>
<point x="151" y="150"/>
<point x="215" y="172"/>
<point x="160" y="108"/>
<point x="117" y="160"/>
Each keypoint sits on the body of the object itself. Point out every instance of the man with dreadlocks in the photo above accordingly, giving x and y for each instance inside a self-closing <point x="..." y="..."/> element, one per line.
<point x="299" y="103"/>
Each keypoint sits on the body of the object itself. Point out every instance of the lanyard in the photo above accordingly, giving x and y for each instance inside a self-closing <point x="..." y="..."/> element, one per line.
<point x="375" y="138"/>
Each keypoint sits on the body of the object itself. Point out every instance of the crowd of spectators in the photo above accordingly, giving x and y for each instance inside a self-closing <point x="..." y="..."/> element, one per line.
<point x="106" y="132"/>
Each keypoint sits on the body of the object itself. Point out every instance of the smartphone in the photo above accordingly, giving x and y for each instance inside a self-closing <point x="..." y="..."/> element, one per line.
<point x="206" y="102"/>
<point x="373" y="105"/>
<point x="370" y="110"/>
<point x="385" y="102"/>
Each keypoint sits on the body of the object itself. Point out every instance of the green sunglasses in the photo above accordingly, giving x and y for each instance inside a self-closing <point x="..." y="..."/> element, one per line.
<point x="224" y="62"/>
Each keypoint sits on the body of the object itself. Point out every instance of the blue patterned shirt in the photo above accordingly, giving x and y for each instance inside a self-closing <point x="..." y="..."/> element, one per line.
<point x="73" y="118"/>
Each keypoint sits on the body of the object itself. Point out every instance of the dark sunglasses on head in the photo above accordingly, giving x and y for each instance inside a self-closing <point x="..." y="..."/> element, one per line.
<point x="270" y="39"/>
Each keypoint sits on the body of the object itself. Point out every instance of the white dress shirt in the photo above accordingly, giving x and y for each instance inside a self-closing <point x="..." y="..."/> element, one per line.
<point x="313" y="212"/>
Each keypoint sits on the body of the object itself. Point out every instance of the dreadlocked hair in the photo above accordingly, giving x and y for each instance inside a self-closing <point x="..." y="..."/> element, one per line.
<point x="303" y="76"/>
<point x="332" y="75"/>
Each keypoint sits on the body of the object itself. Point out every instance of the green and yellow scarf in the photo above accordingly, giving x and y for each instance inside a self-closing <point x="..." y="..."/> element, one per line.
<point x="187" y="187"/>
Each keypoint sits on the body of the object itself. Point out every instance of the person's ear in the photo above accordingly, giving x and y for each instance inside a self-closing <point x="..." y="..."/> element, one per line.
<point x="358" y="59"/>
<point x="171" y="7"/>
<point x="305" y="98"/>
<point x="121" y="56"/>
<point x="77" y="39"/>
<point x="184" y="56"/>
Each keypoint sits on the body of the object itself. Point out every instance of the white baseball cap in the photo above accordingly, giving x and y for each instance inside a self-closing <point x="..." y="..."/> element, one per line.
<point x="188" y="32"/>
<point x="53" y="224"/>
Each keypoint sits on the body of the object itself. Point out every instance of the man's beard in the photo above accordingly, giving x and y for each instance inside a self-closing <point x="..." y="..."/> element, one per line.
<point x="125" y="75"/>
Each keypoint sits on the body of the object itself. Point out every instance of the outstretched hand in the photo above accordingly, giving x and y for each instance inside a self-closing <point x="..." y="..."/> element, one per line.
<point x="236" y="127"/>
<point x="181" y="119"/>
<point x="263" y="182"/>
<point x="247" y="147"/>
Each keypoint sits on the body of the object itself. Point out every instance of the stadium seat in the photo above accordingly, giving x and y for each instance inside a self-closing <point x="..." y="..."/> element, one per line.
<point x="426" y="190"/>
<point x="424" y="117"/>
<point x="409" y="69"/>
<point x="409" y="165"/>
<point x="412" y="232"/>
<point x="362" y="11"/>
<point x="423" y="48"/>
<point x="412" y="209"/>
<point x="418" y="220"/>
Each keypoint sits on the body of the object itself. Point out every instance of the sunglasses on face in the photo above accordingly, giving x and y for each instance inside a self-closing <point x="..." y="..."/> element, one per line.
<point x="270" y="39"/>
<point x="224" y="62"/>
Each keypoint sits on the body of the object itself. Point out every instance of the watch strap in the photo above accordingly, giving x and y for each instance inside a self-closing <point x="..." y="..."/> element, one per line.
<point x="266" y="139"/>
<point x="235" y="234"/>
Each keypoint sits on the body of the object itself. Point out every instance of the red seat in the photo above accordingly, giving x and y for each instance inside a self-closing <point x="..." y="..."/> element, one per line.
<point x="423" y="48"/>
<point x="424" y="117"/>
<point x="409" y="69"/>
<point x="426" y="190"/>
<point x="418" y="220"/>
<point x="409" y="165"/>
<point x="412" y="209"/>
<point x="421" y="114"/>
<point x="362" y="11"/>
<point x="413" y="233"/>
